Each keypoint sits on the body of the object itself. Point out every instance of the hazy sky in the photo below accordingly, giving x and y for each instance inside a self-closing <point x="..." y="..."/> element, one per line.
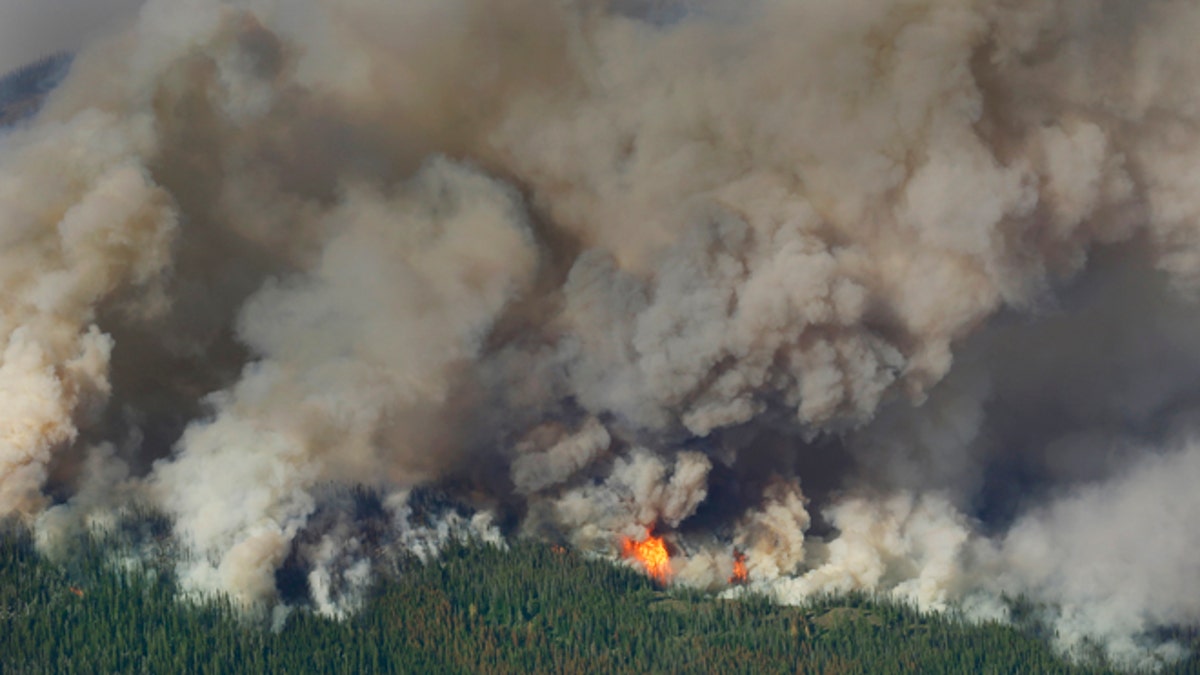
<point x="33" y="28"/>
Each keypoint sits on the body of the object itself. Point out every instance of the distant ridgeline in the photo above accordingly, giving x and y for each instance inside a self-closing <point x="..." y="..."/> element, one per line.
<point x="23" y="90"/>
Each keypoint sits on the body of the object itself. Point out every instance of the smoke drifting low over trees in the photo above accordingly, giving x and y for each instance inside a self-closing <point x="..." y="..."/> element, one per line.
<point x="893" y="296"/>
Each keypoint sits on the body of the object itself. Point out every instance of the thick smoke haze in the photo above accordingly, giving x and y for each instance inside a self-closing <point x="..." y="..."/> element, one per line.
<point x="31" y="29"/>
<point x="891" y="295"/>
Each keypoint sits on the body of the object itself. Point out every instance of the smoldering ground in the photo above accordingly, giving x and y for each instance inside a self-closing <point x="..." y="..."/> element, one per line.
<point x="893" y="296"/>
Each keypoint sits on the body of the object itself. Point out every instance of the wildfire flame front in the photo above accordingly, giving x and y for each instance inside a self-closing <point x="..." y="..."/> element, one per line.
<point x="651" y="553"/>
<point x="740" y="574"/>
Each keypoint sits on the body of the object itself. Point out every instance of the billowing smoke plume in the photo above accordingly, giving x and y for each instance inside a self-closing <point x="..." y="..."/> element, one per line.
<point x="887" y="295"/>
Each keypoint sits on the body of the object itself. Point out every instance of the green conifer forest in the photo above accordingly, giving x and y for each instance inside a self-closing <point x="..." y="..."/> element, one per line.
<point x="481" y="609"/>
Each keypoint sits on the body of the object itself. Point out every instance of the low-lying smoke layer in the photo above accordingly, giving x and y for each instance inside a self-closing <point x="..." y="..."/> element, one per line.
<point x="890" y="296"/>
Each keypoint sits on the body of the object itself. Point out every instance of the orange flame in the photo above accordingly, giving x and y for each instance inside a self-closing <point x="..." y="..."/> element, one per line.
<point x="740" y="575"/>
<point x="651" y="552"/>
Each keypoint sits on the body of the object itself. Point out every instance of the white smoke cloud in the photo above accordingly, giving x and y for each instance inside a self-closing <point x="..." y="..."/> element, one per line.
<point x="402" y="294"/>
<point x="909" y="547"/>
<point x="1116" y="556"/>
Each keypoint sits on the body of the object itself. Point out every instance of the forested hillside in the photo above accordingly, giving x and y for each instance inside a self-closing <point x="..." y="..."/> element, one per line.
<point x="531" y="608"/>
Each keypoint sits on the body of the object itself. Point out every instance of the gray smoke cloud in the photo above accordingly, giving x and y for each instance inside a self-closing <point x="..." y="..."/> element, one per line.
<point x="31" y="29"/>
<point x="887" y="296"/>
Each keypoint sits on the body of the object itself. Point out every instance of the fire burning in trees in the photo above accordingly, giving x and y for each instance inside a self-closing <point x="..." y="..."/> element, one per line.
<point x="740" y="576"/>
<point x="651" y="553"/>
